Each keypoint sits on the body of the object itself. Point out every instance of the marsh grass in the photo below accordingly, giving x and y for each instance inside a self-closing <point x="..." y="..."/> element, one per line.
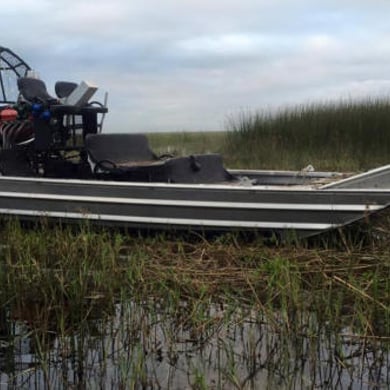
<point x="102" y="306"/>
<point x="347" y="135"/>
<point x="340" y="136"/>
<point x="77" y="267"/>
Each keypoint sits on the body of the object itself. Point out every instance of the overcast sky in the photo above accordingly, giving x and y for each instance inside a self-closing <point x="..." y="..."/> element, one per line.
<point x="190" y="64"/>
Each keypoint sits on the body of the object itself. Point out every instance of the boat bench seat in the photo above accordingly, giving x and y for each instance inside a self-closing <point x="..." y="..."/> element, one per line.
<point x="129" y="157"/>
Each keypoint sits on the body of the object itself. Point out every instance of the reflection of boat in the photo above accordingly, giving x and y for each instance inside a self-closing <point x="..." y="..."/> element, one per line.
<point x="56" y="162"/>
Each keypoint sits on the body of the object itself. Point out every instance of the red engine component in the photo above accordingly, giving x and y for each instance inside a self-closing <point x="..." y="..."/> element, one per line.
<point x="8" y="114"/>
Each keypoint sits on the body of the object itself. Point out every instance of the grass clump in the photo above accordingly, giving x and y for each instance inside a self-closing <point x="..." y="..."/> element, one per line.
<point x="347" y="135"/>
<point x="45" y="268"/>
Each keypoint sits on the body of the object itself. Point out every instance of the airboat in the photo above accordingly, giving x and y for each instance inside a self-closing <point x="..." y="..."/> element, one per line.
<point x="56" y="162"/>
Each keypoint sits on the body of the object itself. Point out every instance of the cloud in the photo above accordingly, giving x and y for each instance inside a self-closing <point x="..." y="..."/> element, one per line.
<point x="177" y="65"/>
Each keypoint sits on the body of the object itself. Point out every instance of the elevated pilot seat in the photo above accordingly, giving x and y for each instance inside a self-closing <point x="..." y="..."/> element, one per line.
<point x="70" y="120"/>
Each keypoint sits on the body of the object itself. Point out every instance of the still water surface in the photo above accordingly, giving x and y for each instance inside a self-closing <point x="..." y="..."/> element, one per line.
<point x="150" y="346"/>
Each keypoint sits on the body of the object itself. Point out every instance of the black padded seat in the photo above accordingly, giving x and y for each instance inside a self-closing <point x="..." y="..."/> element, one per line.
<point x="129" y="157"/>
<point x="119" y="148"/>
<point x="64" y="88"/>
<point x="34" y="89"/>
<point x="123" y="157"/>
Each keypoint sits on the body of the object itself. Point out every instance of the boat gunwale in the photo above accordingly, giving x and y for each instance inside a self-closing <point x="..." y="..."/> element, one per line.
<point x="197" y="186"/>
<point x="366" y="174"/>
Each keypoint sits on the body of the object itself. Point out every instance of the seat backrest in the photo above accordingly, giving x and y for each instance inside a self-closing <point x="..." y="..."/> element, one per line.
<point x="32" y="89"/>
<point x="118" y="148"/>
<point x="64" y="88"/>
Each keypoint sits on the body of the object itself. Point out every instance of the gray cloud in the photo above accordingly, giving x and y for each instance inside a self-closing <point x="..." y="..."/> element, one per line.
<point x="186" y="65"/>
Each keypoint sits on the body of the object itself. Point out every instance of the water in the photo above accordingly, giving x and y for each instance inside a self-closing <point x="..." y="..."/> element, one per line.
<point x="155" y="345"/>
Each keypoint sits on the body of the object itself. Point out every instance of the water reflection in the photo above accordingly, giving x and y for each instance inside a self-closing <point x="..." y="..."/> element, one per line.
<point x="152" y="345"/>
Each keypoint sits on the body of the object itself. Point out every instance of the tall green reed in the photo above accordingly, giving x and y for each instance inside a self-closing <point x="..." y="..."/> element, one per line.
<point x="347" y="135"/>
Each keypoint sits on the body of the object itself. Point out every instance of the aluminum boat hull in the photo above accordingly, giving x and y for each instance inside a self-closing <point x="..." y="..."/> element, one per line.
<point x="303" y="209"/>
